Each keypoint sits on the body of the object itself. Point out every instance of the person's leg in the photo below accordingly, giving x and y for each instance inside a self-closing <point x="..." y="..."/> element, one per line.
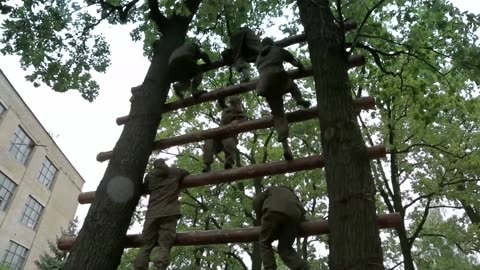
<point x="280" y="123"/>
<point x="166" y="238"/>
<point x="268" y="233"/>
<point x="297" y="95"/>
<point x="196" y="81"/>
<point x="149" y="239"/>
<point x="231" y="151"/>
<point x="287" y="253"/>
<point x="209" y="149"/>
<point x="243" y="67"/>
<point x="179" y="88"/>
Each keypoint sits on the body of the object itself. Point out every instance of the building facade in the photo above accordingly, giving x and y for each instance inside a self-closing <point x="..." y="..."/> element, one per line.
<point x="38" y="184"/>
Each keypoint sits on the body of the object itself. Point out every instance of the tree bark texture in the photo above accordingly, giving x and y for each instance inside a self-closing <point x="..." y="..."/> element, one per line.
<point x="362" y="103"/>
<point x="101" y="240"/>
<point x="244" y="235"/>
<point x="252" y="171"/>
<point x="354" y="239"/>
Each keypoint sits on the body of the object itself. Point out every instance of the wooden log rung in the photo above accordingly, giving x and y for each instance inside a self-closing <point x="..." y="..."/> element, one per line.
<point x="212" y="237"/>
<point x="354" y="61"/>
<point x="362" y="103"/>
<point x="253" y="171"/>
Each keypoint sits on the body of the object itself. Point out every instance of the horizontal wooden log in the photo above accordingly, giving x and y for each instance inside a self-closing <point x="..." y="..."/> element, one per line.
<point x="253" y="171"/>
<point x="354" y="61"/>
<point x="213" y="237"/>
<point x="363" y="103"/>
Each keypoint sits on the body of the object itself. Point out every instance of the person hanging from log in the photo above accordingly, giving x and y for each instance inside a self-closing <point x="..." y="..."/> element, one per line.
<point x="244" y="48"/>
<point x="230" y="114"/>
<point x="280" y="213"/>
<point x="162" y="183"/>
<point x="273" y="83"/>
<point x="184" y="69"/>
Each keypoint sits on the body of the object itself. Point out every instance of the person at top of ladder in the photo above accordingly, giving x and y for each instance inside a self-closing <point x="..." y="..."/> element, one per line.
<point x="244" y="48"/>
<point x="162" y="183"/>
<point x="230" y="114"/>
<point x="280" y="213"/>
<point x="184" y="69"/>
<point x="273" y="83"/>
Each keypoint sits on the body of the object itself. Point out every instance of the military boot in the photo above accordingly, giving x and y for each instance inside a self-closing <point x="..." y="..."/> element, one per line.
<point x="228" y="166"/>
<point x="207" y="167"/>
<point x="304" y="103"/>
<point x="287" y="152"/>
<point x="245" y="75"/>
<point x="178" y="91"/>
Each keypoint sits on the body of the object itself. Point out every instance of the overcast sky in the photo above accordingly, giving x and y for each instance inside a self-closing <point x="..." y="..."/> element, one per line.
<point x="83" y="129"/>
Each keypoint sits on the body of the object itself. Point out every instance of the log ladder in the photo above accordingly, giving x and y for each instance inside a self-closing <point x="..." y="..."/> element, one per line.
<point x="244" y="235"/>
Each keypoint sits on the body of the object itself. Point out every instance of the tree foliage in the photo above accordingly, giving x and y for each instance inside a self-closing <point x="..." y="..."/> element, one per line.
<point x="55" y="259"/>
<point x="422" y="68"/>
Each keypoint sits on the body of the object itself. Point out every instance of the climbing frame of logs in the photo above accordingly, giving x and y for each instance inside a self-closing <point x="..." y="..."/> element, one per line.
<point x="248" y="172"/>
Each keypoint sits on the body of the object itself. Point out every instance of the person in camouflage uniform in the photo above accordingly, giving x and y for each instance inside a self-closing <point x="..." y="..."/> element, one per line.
<point x="274" y="82"/>
<point x="163" y="211"/>
<point x="184" y="69"/>
<point x="280" y="212"/>
<point x="231" y="113"/>
<point x="244" y="48"/>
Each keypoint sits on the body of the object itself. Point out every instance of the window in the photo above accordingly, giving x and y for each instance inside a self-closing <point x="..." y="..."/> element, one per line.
<point x="21" y="145"/>
<point x="2" y="109"/>
<point x="32" y="213"/>
<point x="47" y="173"/>
<point x="15" y="256"/>
<point x="7" y="187"/>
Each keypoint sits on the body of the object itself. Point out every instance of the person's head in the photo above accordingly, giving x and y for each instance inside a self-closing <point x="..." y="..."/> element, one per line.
<point x="267" y="42"/>
<point x="235" y="102"/>
<point x="159" y="163"/>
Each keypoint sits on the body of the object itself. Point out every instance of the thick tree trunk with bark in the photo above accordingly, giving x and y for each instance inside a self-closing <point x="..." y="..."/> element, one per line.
<point x="354" y="239"/>
<point x="101" y="240"/>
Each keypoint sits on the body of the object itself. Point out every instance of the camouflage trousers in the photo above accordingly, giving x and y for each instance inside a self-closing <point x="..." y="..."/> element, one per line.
<point x="227" y="145"/>
<point x="279" y="226"/>
<point x="272" y="86"/>
<point x="159" y="232"/>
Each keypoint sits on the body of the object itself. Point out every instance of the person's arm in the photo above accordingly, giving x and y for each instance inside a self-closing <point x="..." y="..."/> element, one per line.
<point x="241" y="117"/>
<point x="222" y="103"/>
<point x="292" y="60"/>
<point x="179" y="173"/>
<point x="204" y="56"/>
<point x="257" y="204"/>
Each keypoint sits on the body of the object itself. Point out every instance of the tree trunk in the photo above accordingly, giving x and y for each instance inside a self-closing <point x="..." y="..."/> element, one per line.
<point x="101" y="240"/>
<point x="405" y="246"/>
<point x="354" y="239"/>
<point x="472" y="214"/>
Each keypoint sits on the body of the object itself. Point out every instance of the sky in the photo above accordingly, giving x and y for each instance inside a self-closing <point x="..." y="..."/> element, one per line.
<point x="84" y="129"/>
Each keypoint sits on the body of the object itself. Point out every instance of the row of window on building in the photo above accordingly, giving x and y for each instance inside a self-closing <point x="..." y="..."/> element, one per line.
<point x="15" y="254"/>
<point x="20" y="148"/>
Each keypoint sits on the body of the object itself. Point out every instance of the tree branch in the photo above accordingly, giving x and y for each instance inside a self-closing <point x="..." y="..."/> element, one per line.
<point x="359" y="30"/>
<point x="435" y="146"/>
<point x="420" y="225"/>
<point x="156" y="16"/>
<point x="238" y="258"/>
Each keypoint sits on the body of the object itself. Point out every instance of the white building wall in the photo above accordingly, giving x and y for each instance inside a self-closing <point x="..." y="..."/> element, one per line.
<point x="59" y="202"/>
